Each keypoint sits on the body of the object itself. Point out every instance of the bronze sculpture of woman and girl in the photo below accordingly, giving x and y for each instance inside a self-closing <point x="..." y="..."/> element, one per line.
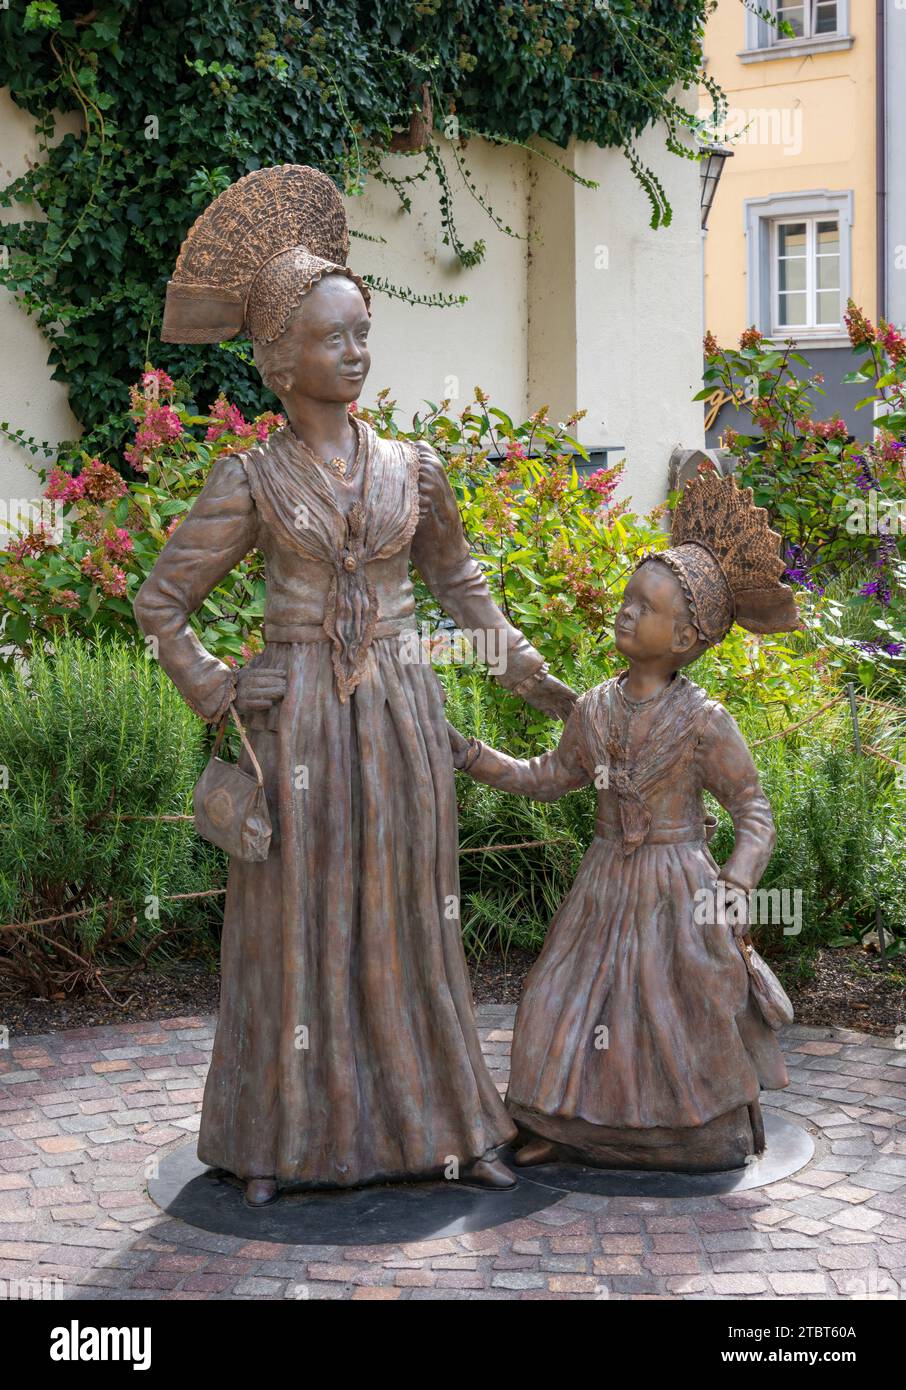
<point x="346" y="1050"/>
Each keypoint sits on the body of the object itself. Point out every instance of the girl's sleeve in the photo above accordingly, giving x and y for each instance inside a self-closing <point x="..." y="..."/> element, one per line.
<point x="218" y="531"/>
<point x="563" y="769"/>
<point x="728" y="772"/>
<point x="441" y="555"/>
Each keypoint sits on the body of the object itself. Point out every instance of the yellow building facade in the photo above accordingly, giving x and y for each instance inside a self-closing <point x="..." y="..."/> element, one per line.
<point x="794" y="227"/>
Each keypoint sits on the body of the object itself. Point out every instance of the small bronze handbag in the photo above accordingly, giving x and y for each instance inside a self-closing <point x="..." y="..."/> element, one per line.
<point x="230" y="806"/>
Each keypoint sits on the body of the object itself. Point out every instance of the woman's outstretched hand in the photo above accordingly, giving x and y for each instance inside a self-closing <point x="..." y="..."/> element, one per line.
<point x="550" y="696"/>
<point x="259" y="687"/>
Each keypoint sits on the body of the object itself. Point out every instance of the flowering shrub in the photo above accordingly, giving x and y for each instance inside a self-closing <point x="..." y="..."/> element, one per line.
<point x="839" y="504"/>
<point x="556" y="547"/>
<point x="82" y="573"/>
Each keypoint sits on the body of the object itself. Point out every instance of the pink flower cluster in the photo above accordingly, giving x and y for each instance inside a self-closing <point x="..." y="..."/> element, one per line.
<point x="862" y="331"/>
<point x="228" y="419"/>
<point x="32" y="543"/>
<point x="888" y="449"/>
<point x="97" y="482"/>
<point x="108" y="576"/>
<point x="156" y="382"/>
<point x="118" y="543"/>
<point x="824" y="429"/>
<point x="604" y="482"/>
<point x="893" y="343"/>
<point x="63" y="487"/>
<point x="159" y="424"/>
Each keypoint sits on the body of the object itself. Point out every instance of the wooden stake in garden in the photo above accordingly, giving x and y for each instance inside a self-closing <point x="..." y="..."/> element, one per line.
<point x="857" y="739"/>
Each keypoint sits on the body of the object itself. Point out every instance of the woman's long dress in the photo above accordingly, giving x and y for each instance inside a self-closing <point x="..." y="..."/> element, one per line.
<point x="346" y="1048"/>
<point x="636" y="1041"/>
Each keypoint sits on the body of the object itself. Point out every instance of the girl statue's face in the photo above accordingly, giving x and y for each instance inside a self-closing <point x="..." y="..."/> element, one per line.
<point x="326" y="342"/>
<point x="653" y="622"/>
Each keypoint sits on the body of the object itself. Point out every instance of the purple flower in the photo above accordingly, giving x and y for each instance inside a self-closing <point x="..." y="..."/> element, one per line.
<point x="865" y="479"/>
<point x="797" y="569"/>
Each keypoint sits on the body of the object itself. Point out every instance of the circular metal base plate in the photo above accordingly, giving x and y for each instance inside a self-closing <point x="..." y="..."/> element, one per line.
<point x="391" y="1213"/>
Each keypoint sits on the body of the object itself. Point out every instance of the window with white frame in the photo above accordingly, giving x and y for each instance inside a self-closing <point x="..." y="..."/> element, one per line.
<point x="799" y="263"/>
<point x="805" y="274"/>
<point x="808" y="19"/>
<point x="808" y="26"/>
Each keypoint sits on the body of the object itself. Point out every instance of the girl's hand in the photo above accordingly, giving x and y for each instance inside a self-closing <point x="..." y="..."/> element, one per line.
<point x="459" y="746"/>
<point x="259" y="687"/>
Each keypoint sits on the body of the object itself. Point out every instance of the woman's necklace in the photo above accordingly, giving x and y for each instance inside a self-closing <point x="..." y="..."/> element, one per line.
<point x="344" y="469"/>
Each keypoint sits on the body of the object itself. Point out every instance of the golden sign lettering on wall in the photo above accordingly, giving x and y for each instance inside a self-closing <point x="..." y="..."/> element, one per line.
<point x="715" y="403"/>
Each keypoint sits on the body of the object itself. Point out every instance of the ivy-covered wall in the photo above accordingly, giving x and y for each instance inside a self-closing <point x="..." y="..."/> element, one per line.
<point x="180" y="97"/>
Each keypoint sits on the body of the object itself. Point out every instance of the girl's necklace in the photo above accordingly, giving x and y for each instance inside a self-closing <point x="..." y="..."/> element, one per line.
<point x="634" y="705"/>
<point x="632" y="733"/>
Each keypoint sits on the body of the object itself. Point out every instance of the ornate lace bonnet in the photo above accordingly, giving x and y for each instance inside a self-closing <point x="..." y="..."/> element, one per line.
<point x="727" y="560"/>
<point x="252" y="256"/>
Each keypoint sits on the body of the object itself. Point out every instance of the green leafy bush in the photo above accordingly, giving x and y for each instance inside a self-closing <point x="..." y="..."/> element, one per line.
<point x="840" y="843"/>
<point x="93" y="739"/>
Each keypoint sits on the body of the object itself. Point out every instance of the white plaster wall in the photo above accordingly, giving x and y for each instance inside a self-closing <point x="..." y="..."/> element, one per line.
<point x="430" y="353"/>
<point x="639" y="320"/>
<point x="29" y="400"/>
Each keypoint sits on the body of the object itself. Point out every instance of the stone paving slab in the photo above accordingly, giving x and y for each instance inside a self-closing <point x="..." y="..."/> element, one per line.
<point x="82" y="1112"/>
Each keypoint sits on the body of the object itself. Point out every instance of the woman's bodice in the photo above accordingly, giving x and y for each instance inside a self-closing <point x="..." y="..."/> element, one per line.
<point x="332" y="573"/>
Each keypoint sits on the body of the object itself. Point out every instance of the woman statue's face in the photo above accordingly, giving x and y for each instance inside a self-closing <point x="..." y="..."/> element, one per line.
<point x="327" y="342"/>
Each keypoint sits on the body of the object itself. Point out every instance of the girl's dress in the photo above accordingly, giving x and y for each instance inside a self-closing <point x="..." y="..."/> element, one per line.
<point x="346" y="1049"/>
<point x="636" y="1041"/>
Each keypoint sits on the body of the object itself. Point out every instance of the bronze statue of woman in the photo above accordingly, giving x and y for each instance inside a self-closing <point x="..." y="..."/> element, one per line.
<point x="346" y="1050"/>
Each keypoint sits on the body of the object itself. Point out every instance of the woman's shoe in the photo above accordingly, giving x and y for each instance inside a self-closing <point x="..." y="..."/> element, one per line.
<point x="259" y="1192"/>
<point x="489" y="1173"/>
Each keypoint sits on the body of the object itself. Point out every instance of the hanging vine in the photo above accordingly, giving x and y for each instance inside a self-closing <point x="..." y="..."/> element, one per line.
<point x="178" y="98"/>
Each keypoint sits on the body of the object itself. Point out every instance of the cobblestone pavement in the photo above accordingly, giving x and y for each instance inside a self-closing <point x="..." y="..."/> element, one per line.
<point x="82" y="1111"/>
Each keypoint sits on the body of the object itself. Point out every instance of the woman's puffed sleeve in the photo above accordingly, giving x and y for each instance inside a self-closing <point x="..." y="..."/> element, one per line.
<point x="218" y="531"/>
<point x="545" y="778"/>
<point x="441" y="554"/>
<point x="728" y="772"/>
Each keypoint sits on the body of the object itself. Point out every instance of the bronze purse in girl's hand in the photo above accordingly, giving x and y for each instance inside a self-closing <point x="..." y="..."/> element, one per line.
<point x="230" y="806"/>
